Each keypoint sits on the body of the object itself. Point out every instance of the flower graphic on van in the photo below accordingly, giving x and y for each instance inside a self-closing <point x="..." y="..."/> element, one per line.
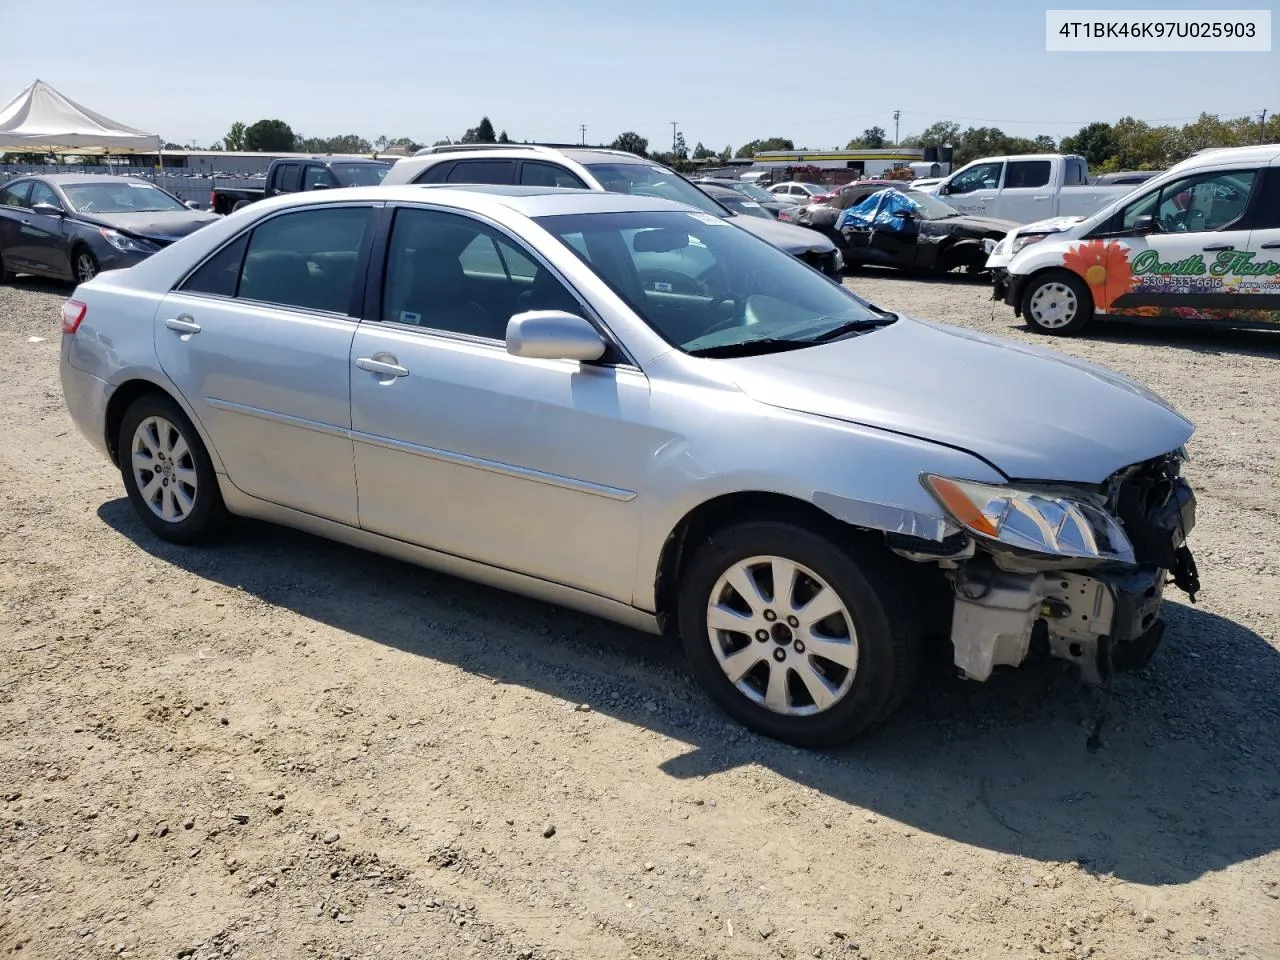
<point x="1104" y="266"/>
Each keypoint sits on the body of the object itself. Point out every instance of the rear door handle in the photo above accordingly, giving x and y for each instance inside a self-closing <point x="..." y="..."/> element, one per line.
<point x="382" y="367"/>
<point x="182" y="325"/>
<point x="1219" y="246"/>
<point x="1041" y="197"/>
<point x="1273" y="245"/>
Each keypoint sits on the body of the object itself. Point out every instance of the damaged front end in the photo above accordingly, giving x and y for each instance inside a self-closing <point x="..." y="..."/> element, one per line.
<point x="1077" y="571"/>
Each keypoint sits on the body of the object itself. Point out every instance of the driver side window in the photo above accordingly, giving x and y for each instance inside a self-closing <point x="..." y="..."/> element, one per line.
<point x="1199" y="203"/>
<point x="985" y="176"/>
<point x="43" y="193"/>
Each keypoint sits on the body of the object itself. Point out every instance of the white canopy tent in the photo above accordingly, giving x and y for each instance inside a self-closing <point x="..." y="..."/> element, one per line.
<point x="41" y="120"/>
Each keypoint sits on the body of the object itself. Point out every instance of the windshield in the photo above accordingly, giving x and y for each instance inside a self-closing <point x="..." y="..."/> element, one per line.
<point x="705" y="285"/>
<point x="744" y="206"/>
<point x="132" y="196"/>
<point x="360" y="174"/>
<point x="930" y="207"/>
<point x="755" y="192"/>
<point x="651" y="180"/>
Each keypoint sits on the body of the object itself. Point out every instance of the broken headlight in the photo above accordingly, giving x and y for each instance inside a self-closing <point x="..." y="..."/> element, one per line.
<point x="1044" y="523"/>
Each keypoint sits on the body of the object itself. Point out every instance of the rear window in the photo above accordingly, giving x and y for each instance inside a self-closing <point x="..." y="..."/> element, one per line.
<point x="1027" y="173"/>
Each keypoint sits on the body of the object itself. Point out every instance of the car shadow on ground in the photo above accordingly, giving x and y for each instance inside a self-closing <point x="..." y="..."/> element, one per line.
<point x="33" y="284"/>
<point x="1188" y="780"/>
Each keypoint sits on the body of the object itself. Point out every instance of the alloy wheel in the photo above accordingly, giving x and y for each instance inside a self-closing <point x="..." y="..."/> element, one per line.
<point x="164" y="469"/>
<point x="86" y="267"/>
<point x="783" y="636"/>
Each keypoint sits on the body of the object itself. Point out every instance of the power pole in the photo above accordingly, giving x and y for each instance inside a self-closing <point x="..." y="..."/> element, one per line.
<point x="896" y="115"/>
<point x="673" y="136"/>
<point x="1262" y="127"/>
<point x="582" y="131"/>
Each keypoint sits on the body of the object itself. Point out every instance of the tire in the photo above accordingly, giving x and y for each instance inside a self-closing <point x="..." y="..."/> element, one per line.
<point x="187" y="506"/>
<point x="238" y="204"/>
<point x="875" y="631"/>
<point x="84" y="265"/>
<point x="6" y="276"/>
<point x="1057" y="303"/>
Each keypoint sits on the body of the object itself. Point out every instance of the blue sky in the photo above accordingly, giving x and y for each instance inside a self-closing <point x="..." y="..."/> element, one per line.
<point x="727" y="72"/>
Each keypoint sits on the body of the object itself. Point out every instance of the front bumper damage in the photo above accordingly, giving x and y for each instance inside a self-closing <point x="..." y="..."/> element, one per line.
<point x="1105" y="619"/>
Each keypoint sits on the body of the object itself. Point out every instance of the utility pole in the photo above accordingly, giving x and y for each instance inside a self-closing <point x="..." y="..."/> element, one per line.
<point x="1262" y="127"/>
<point x="582" y="132"/>
<point x="896" y="115"/>
<point x="673" y="136"/>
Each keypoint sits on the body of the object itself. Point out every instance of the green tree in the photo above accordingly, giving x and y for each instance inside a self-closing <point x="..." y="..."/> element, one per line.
<point x="1140" y="146"/>
<point x="1095" y="142"/>
<point x="407" y="143"/>
<point x="749" y="150"/>
<point x="480" y="133"/>
<point x="873" y="138"/>
<point x="702" y="153"/>
<point x="680" y="149"/>
<point x="269" y="136"/>
<point x="503" y="138"/>
<point x="726" y="154"/>
<point x="940" y="134"/>
<point x="631" y="142"/>
<point x="234" y="140"/>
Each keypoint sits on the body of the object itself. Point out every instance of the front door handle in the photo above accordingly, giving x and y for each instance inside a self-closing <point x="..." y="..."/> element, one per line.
<point x="182" y="325"/>
<point x="381" y="367"/>
<point x="1219" y="246"/>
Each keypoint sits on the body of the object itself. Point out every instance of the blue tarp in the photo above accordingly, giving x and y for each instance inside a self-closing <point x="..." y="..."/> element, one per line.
<point x="877" y="211"/>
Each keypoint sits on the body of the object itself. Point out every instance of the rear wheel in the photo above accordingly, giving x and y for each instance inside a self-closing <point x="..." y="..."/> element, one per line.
<point x="1057" y="303"/>
<point x="167" y="471"/>
<point x="238" y="204"/>
<point x="794" y="636"/>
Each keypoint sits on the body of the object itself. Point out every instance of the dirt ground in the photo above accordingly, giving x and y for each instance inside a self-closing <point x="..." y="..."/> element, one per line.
<point x="281" y="747"/>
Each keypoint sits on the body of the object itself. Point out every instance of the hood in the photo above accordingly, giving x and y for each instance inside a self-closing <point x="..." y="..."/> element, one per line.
<point x="973" y="222"/>
<point x="785" y="236"/>
<point x="166" y="227"/>
<point x="1051" y="225"/>
<point x="1032" y="413"/>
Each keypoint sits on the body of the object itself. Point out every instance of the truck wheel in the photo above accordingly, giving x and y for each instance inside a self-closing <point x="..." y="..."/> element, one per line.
<point x="1058" y="303"/>
<point x="795" y="636"/>
<point x="238" y="204"/>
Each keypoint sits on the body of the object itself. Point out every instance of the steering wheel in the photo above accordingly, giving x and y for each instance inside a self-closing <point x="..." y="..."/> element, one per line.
<point x="679" y="282"/>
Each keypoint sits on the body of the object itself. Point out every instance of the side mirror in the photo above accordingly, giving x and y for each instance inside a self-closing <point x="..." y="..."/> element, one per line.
<point x="320" y="185"/>
<point x="1145" y="224"/>
<point x="553" y="335"/>
<point x="903" y="214"/>
<point x="48" y="210"/>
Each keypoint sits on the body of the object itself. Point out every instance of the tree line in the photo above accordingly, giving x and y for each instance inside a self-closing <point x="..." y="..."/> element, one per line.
<point x="1127" y="144"/>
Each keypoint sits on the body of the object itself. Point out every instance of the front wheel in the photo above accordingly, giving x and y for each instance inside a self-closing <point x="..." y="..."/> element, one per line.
<point x="167" y="472"/>
<point x="84" y="265"/>
<point x="795" y="636"/>
<point x="1057" y="303"/>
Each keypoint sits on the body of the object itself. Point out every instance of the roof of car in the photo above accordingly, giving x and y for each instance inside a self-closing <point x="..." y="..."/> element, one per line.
<point x="66" y="179"/>
<point x="1263" y="153"/>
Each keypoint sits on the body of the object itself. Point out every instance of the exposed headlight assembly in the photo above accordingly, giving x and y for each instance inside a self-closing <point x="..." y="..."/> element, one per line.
<point x="125" y="243"/>
<point x="1041" y="523"/>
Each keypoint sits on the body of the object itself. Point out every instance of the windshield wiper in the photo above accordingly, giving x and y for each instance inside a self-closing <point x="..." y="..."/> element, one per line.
<point x="852" y="326"/>
<point x="748" y="348"/>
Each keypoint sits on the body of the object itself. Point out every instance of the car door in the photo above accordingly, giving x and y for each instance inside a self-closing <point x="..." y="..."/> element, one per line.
<point x="316" y="176"/>
<point x="44" y="236"/>
<point x="258" y="340"/>
<point x="528" y="465"/>
<point x="1027" y="193"/>
<point x="13" y="210"/>
<point x="1259" y="291"/>
<point x="971" y="190"/>
<point x="1179" y="250"/>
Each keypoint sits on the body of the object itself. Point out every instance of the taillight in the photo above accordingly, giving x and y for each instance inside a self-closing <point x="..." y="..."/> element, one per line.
<point x="73" y="312"/>
<point x="213" y="200"/>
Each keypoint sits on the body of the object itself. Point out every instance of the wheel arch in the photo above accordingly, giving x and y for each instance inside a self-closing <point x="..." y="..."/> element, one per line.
<point x="124" y="395"/>
<point x="1029" y="280"/>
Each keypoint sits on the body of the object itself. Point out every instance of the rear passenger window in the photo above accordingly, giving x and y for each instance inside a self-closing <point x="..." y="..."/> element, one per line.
<point x="436" y="173"/>
<point x="536" y="173"/>
<point x="220" y="274"/>
<point x="288" y="177"/>
<point x="305" y="259"/>
<point x="1027" y="173"/>
<point x="483" y="171"/>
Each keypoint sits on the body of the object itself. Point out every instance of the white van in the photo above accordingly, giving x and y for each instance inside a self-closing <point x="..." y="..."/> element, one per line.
<point x="1200" y="242"/>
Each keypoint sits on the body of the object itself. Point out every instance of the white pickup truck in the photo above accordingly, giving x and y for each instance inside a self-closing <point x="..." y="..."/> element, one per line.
<point x="1026" y="188"/>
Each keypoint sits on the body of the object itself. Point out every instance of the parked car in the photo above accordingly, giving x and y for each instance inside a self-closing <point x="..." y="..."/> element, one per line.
<point x="590" y="168"/>
<point x="752" y="192"/>
<point x="914" y="231"/>
<point x="822" y="215"/>
<point x="298" y="175"/>
<point x="70" y="226"/>
<point x="1025" y="188"/>
<point x="734" y="201"/>
<point x="797" y="192"/>
<point x="1199" y="243"/>
<point x="1125" y="177"/>
<point x="920" y="183"/>
<point x="627" y="406"/>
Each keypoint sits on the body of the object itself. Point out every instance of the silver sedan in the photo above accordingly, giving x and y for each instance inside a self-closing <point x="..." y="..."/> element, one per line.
<point x="627" y="406"/>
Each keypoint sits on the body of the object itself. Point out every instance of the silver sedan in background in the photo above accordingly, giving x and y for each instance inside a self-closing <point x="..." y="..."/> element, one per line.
<point x="628" y="406"/>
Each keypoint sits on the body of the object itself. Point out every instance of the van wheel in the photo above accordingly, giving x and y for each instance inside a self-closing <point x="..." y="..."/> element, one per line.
<point x="167" y="472"/>
<point x="795" y="636"/>
<point x="1057" y="303"/>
